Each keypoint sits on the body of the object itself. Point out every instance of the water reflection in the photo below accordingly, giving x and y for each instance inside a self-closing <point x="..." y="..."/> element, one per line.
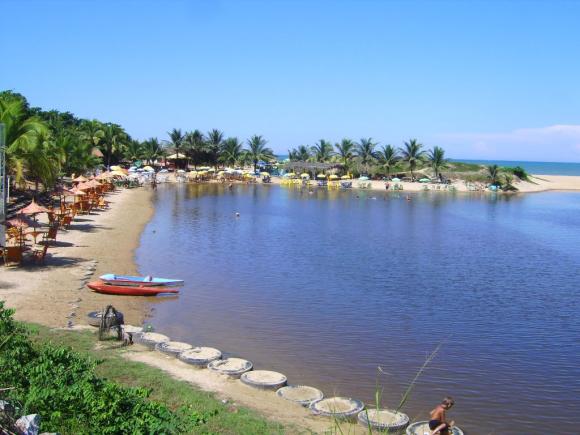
<point x="325" y="286"/>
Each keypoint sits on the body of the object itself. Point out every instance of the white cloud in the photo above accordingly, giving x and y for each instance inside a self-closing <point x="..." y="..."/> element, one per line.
<point x="552" y="143"/>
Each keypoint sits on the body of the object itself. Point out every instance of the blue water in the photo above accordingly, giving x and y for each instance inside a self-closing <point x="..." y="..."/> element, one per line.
<point x="543" y="168"/>
<point x="328" y="286"/>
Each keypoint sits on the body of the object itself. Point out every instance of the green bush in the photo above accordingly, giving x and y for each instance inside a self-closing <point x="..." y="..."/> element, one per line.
<point x="61" y="386"/>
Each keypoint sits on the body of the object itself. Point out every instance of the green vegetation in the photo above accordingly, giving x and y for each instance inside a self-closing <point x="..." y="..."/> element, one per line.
<point x="78" y="389"/>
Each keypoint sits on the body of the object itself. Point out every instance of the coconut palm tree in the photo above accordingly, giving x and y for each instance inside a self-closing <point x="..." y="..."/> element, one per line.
<point x="152" y="150"/>
<point x="493" y="174"/>
<point x="27" y="142"/>
<point x="76" y="152"/>
<point x="437" y="160"/>
<point x="113" y="140"/>
<point x="194" y="144"/>
<point x="257" y="150"/>
<point x="231" y="151"/>
<point x="365" y="150"/>
<point x="300" y="154"/>
<point x="213" y="144"/>
<point x="322" y="151"/>
<point x="176" y="142"/>
<point x="388" y="158"/>
<point x="133" y="150"/>
<point x="345" y="151"/>
<point x="412" y="154"/>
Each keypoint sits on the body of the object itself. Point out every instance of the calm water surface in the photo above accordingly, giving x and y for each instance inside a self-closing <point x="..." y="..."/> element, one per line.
<point x="327" y="287"/>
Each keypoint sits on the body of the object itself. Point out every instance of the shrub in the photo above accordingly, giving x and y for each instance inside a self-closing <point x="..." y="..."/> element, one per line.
<point x="61" y="386"/>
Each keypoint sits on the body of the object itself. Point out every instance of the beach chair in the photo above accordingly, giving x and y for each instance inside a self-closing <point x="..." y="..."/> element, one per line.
<point x="12" y="255"/>
<point x="39" y="253"/>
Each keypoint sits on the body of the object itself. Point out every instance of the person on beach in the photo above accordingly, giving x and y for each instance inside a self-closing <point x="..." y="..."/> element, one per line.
<point x="437" y="423"/>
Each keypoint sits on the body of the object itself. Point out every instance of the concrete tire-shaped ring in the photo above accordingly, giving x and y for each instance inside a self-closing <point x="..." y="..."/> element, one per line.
<point x="421" y="427"/>
<point x="200" y="356"/>
<point x="172" y="348"/>
<point x="384" y="419"/>
<point x="264" y="379"/>
<point x="337" y="407"/>
<point x="232" y="367"/>
<point x="94" y="318"/>
<point x="151" y="339"/>
<point x="301" y="394"/>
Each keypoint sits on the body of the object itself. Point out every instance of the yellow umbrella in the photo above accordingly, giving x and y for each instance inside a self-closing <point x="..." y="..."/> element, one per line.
<point x="333" y="177"/>
<point x="291" y="174"/>
<point x="264" y="174"/>
<point x="304" y="175"/>
<point x="345" y="177"/>
<point x="321" y="176"/>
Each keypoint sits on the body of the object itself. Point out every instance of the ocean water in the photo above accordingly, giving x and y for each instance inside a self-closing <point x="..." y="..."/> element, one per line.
<point x="328" y="287"/>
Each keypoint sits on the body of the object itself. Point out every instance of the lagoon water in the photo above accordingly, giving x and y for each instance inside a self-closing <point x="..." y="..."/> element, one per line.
<point x="327" y="287"/>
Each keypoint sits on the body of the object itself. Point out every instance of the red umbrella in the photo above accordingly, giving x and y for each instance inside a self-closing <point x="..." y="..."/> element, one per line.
<point x="34" y="208"/>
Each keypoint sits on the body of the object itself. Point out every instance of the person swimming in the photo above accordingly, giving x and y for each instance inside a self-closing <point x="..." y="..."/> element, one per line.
<point x="437" y="423"/>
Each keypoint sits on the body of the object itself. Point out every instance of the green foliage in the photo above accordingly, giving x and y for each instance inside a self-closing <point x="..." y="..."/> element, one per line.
<point x="519" y="172"/>
<point x="62" y="386"/>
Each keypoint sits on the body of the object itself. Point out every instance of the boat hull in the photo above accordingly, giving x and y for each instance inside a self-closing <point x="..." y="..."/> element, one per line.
<point x="126" y="280"/>
<point x="141" y="290"/>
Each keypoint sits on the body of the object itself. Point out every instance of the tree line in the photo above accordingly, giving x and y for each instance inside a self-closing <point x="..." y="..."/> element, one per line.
<point x="365" y="154"/>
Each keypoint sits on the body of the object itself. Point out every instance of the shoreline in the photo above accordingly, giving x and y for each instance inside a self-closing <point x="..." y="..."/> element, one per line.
<point x="54" y="294"/>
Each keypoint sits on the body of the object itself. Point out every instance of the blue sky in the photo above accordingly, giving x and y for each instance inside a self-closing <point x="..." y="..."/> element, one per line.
<point x="496" y="80"/>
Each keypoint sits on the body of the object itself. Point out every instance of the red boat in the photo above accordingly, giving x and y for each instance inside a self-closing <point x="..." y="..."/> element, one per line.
<point x="141" y="290"/>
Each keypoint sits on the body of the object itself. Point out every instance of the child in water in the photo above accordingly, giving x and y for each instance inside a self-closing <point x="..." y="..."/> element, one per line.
<point x="437" y="423"/>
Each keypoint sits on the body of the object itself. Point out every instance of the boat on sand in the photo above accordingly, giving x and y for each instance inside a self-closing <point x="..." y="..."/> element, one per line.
<point x="150" y="281"/>
<point x="129" y="290"/>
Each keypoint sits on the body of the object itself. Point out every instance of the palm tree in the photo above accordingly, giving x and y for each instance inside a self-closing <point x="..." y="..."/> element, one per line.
<point x="300" y="154"/>
<point x="365" y="150"/>
<point x="112" y="141"/>
<point x="437" y="159"/>
<point x="231" y="152"/>
<point x="213" y="144"/>
<point x="92" y="131"/>
<point x="257" y="150"/>
<point x="133" y="151"/>
<point x="176" y="142"/>
<point x="412" y="154"/>
<point x="194" y="143"/>
<point x="27" y="142"/>
<point x="152" y="150"/>
<point x="346" y="151"/>
<point x="322" y="151"/>
<point x="388" y="158"/>
<point x="493" y="174"/>
<point x="76" y="152"/>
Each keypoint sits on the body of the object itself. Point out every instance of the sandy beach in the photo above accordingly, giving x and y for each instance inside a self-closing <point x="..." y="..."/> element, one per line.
<point x="54" y="293"/>
<point x="540" y="183"/>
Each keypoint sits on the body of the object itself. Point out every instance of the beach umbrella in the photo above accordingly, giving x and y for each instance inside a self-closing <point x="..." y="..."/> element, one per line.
<point x="321" y="176"/>
<point x="363" y="178"/>
<point x="424" y="180"/>
<point x="396" y="180"/>
<point x="80" y="179"/>
<point x="265" y="174"/>
<point x="104" y="176"/>
<point x="333" y="177"/>
<point x="84" y="186"/>
<point x="291" y="174"/>
<point x="78" y="192"/>
<point x="345" y="177"/>
<point x="33" y="208"/>
<point x="20" y="222"/>
<point x="304" y="175"/>
<point x="148" y="169"/>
